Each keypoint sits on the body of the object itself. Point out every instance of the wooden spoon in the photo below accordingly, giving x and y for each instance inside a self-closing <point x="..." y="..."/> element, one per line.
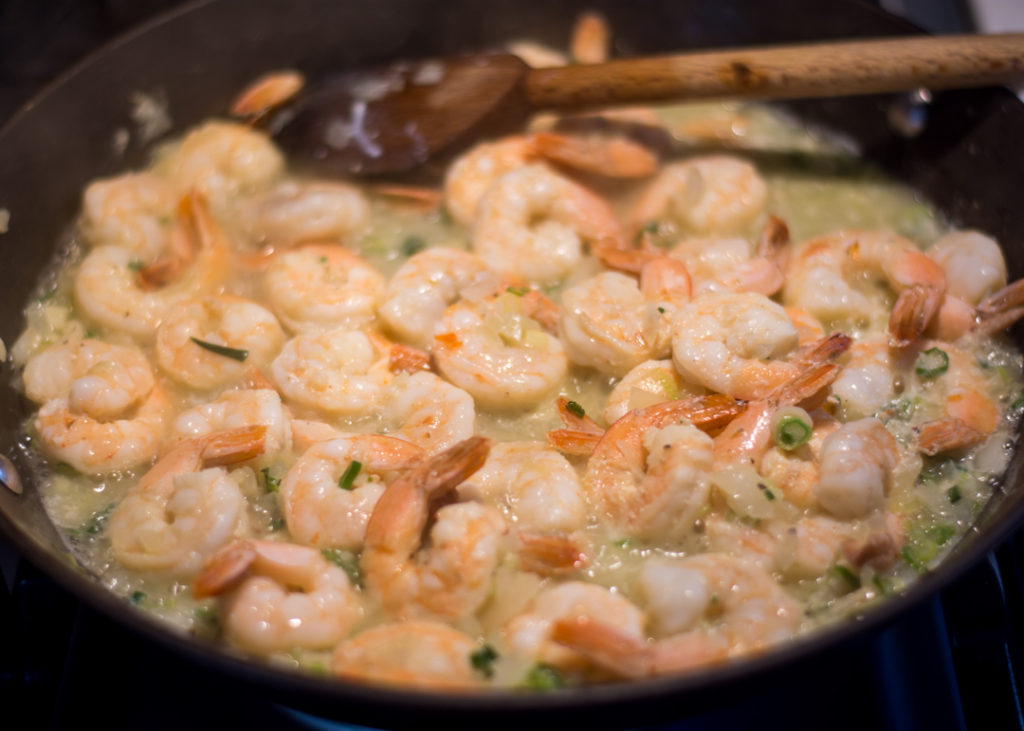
<point x="392" y="119"/>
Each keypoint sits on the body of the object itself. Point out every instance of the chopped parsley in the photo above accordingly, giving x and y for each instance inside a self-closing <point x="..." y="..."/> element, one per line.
<point x="575" y="409"/>
<point x="483" y="659"/>
<point x="137" y="597"/>
<point x="954" y="494"/>
<point x="270" y="483"/>
<point x="347" y="562"/>
<point x="234" y="353"/>
<point x="348" y="477"/>
<point x="543" y="677"/>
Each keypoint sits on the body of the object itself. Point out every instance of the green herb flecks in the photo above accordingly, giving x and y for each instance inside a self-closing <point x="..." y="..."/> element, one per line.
<point x="413" y="245"/>
<point x="766" y="491"/>
<point x="844" y="573"/>
<point x="135" y="265"/>
<point x="924" y="544"/>
<point x="96" y="525"/>
<point x="575" y="409"/>
<point x="931" y="363"/>
<point x="234" y="353"/>
<point x="348" y="477"/>
<point x="483" y="660"/>
<point x="347" y="562"/>
<point x="137" y="597"/>
<point x="543" y="677"/>
<point x="270" y="483"/>
<point x="518" y="291"/>
<point x="954" y="494"/>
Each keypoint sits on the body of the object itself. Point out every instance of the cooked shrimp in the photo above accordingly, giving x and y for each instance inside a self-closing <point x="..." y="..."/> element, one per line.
<point x="529" y="634"/>
<point x="278" y="597"/>
<point x="611" y="323"/>
<point x="222" y="160"/>
<point x="532" y="223"/>
<point x="648" y="475"/>
<point x="329" y="493"/>
<point x="969" y="412"/>
<point x="472" y="174"/>
<point x="426" y="284"/>
<point x="238" y="325"/>
<point x="428" y="411"/>
<point x="186" y="506"/>
<point x="867" y="381"/>
<point x="450" y="577"/>
<point x="973" y="264"/>
<point x="132" y="211"/>
<point x="601" y="154"/>
<point x="108" y="290"/>
<point x="497" y="353"/>
<point x="747" y="610"/>
<point x="293" y="212"/>
<point x="319" y="287"/>
<point x="825" y="276"/>
<point x="97" y="379"/>
<point x="534" y="486"/>
<point x="411" y="654"/>
<point x="733" y="344"/>
<point x="856" y="468"/>
<point x="96" y="446"/>
<point x="267" y="92"/>
<point x="713" y="194"/>
<point x="234" y="410"/>
<point x="591" y="38"/>
<point x="336" y="372"/>
<point x="651" y="382"/>
<point x="727" y="265"/>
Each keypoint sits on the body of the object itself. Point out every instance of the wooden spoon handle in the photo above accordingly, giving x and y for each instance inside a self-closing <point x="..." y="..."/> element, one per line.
<point x="784" y="72"/>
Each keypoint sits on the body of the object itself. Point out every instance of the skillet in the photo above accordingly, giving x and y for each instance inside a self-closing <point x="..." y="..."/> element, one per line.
<point x="965" y="162"/>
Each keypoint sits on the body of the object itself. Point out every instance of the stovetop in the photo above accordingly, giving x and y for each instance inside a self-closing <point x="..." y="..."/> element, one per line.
<point x="953" y="663"/>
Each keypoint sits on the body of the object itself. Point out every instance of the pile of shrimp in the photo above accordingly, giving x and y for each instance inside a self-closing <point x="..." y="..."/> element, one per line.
<point x="537" y="440"/>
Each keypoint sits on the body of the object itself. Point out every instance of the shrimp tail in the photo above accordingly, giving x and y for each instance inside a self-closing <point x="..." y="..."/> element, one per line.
<point x="574" y="420"/>
<point x="577" y="442"/>
<point x="605" y="645"/>
<point x="824" y="349"/>
<point x="1001" y="309"/>
<point x="236" y="445"/>
<point x="224" y="570"/>
<point x="945" y="435"/>
<point x="548" y="554"/>
<point x="609" y="157"/>
<point x="913" y="311"/>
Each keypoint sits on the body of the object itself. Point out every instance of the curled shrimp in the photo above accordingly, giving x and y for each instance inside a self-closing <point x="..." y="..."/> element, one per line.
<point x="132" y="211"/>
<point x="497" y="353"/>
<point x="651" y="382"/>
<point x="328" y="495"/>
<point x="98" y="379"/>
<point x="830" y="276"/>
<point x="278" y="597"/>
<point x="221" y="321"/>
<point x="426" y="284"/>
<point x="969" y="414"/>
<point x="98" y="446"/>
<point x="109" y="290"/>
<point x="734" y="344"/>
<point x="597" y="154"/>
<point x="415" y="653"/>
<point x="222" y="161"/>
<point x="534" y="486"/>
<point x="339" y="371"/>
<point x="611" y="323"/>
<point x="713" y="194"/>
<point x="745" y="607"/>
<point x="472" y="174"/>
<point x="235" y="410"/>
<point x="318" y="287"/>
<point x="867" y="381"/>
<point x="428" y="411"/>
<point x="452" y="577"/>
<point x="973" y="264"/>
<point x="530" y="634"/>
<point x="532" y="224"/>
<point x="856" y="468"/>
<point x="728" y="265"/>
<point x="186" y="506"/>
<point x="648" y="475"/>
<point x="295" y="212"/>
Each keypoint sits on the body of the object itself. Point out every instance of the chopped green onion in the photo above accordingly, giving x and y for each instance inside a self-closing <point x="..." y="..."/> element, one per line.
<point x="137" y="597"/>
<point x="46" y="296"/>
<point x="347" y="562"/>
<point x="765" y="491"/>
<point x="575" y="409"/>
<point x="96" y="525"/>
<point x="940" y="534"/>
<point x="413" y="245"/>
<point x="1018" y="402"/>
<point x="661" y="310"/>
<point x="880" y="584"/>
<point x="931" y="363"/>
<point x="791" y="427"/>
<point x="276" y="523"/>
<point x="954" y="494"/>
<point x="271" y="483"/>
<point x="518" y="291"/>
<point x="483" y="659"/>
<point x="64" y="469"/>
<point x="322" y="259"/>
<point x="846" y="575"/>
<point x="317" y="668"/>
<point x="135" y="265"/>
<point x="544" y="677"/>
<point x="233" y="353"/>
<point x="624" y="543"/>
<point x="207" y="620"/>
<point x="350" y="474"/>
